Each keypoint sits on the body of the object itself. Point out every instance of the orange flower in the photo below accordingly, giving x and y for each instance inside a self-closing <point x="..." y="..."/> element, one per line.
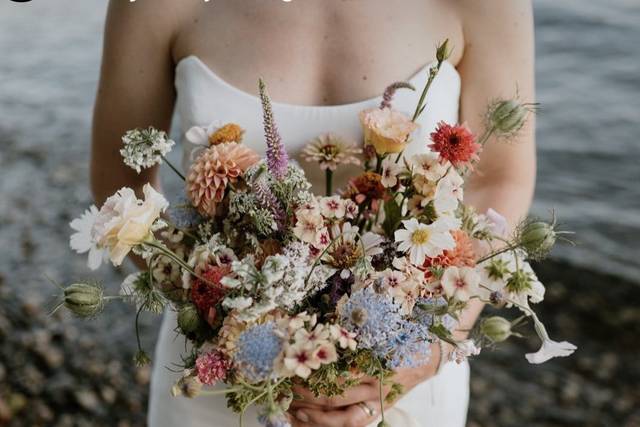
<point x="230" y="132"/>
<point x="213" y="170"/>
<point x="368" y="185"/>
<point x="386" y="129"/>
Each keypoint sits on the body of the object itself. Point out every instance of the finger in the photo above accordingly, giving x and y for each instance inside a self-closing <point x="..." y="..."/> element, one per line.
<point x="359" y="393"/>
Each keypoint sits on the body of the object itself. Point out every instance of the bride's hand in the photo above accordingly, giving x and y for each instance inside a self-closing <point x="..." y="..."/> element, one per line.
<point x="360" y="405"/>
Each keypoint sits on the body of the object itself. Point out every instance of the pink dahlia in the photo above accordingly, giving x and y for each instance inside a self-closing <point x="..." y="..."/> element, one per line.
<point x="455" y="144"/>
<point x="212" y="367"/>
<point x="213" y="170"/>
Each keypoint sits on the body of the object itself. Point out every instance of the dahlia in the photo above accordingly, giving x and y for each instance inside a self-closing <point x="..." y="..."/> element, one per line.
<point x="212" y="367"/>
<point x="330" y="151"/>
<point x="213" y="170"/>
<point x="455" y="144"/>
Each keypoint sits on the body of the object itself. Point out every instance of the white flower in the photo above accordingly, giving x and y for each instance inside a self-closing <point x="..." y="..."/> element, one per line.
<point x="422" y="240"/>
<point x="350" y="208"/>
<point x="274" y="267"/>
<point x="83" y="240"/>
<point x="449" y="192"/>
<point x="428" y="165"/>
<point x="309" y="225"/>
<point x="325" y="353"/>
<point x="144" y="148"/>
<point x="124" y="221"/>
<point x="549" y="350"/>
<point x="344" y="338"/>
<point x="390" y="172"/>
<point x="199" y="135"/>
<point x="332" y="207"/>
<point x="497" y="223"/>
<point x="300" y="360"/>
<point x="464" y="350"/>
<point x="460" y="283"/>
<point x="237" y="303"/>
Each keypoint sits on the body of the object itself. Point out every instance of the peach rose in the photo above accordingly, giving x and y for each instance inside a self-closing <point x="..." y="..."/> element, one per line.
<point x="387" y="130"/>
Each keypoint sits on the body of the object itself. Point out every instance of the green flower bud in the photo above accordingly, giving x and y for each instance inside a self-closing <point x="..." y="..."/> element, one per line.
<point x="496" y="328"/>
<point x="84" y="299"/>
<point x="188" y="319"/>
<point x="537" y="238"/>
<point x="443" y="51"/>
<point x="507" y="117"/>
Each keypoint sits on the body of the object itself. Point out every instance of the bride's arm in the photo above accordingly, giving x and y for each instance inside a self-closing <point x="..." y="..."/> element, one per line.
<point x="135" y="90"/>
<point x="497" y="62"/>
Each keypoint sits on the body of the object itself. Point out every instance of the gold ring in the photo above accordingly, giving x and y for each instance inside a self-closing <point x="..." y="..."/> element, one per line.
<point x="370" y="412"/>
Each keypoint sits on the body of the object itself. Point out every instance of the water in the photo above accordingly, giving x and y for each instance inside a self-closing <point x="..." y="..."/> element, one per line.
<point x="588" y="57"/>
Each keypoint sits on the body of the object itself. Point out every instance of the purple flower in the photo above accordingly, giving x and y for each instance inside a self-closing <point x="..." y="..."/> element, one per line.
<point x="277" y="158"/>
<point x="266" y="197"/>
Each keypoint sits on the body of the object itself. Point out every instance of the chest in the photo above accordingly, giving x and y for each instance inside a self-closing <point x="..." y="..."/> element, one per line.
<point x="317" y="52"/>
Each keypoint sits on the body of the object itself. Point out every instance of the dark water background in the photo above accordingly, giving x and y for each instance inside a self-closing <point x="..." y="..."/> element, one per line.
<point x="588" y="77"/>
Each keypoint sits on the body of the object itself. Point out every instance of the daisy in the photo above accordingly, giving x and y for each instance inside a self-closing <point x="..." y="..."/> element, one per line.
<point x="84" y="240"/>
<point x="460" y="283"/>
<point x="422" y="240"/>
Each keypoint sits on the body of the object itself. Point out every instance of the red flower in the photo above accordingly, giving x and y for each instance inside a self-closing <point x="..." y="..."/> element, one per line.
<point x="205" y="294"/>
<point x="455" y="144"/>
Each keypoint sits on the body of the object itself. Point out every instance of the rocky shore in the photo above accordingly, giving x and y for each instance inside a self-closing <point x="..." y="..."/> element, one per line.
<point x="59" y="371"/>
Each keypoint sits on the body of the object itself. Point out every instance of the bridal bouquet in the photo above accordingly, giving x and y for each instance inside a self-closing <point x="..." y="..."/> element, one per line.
<point x="275" y="286"/>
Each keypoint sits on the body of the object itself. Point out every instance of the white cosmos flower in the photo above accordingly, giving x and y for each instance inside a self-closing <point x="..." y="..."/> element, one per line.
<point x="422" y="240"/>
<point x="83" y="239"/>
<point x="460" y="283"/>
<point x="551" y="349"/>
<point x="199" y="135"/>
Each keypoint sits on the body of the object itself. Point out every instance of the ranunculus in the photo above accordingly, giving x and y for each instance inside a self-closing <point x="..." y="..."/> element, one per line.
<point x="386" y="129"/>
<point x="125" y="221"/>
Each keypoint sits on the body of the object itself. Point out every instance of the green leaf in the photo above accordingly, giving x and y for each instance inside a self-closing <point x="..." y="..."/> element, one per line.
<point x="393" y="216"/>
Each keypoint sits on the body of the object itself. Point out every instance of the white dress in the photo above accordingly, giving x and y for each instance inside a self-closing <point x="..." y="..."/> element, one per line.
<point x="202" y="98"/>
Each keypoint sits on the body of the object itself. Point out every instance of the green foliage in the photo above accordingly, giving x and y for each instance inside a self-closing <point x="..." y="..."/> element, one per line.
<point x="392" y="218"/>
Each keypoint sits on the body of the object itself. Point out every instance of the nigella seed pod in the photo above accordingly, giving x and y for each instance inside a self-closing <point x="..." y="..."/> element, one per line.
<point x="359" y="316"/>
<point x="188" y="319"/>
<point x="507" y="117"/>
<point x="84" y="299"/>
<point x="537" y="238"/>
<point x="496" y="328"/>
<point x="188" y="386"/>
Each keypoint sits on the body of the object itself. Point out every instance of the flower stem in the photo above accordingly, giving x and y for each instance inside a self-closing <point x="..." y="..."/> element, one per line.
<point x="328" y="174"/>
<point x="173" y="168"/>
<point x="380" y="380"/>
<point x="433" y="72"/>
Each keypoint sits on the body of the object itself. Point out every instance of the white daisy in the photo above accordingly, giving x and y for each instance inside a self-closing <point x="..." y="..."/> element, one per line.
<point x="422" y="240"/>
<point x="84" y="240"/>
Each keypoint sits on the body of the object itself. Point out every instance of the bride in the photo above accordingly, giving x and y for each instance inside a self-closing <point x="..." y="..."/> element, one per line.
<point x="324" y="61"/>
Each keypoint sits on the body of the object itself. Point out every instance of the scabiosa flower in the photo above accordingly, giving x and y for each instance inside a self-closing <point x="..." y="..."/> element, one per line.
<point x="386" y="129"/>
<point x="213" y="170"/>
<point x="455" y="144"/>
<point x="330" y="151"/>
<point x="410" y="347"/>
<point x="422" y="240"/>
<point x="212" y="367"/>
<point x="373" y="317"/>
<point x="429" y="312"/>
<point x="277" y="158"/>
<point x="144" y="148"/>
<point x="256" y="351"/>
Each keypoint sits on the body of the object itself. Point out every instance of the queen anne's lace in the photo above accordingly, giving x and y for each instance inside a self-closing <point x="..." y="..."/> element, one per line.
<point x="144" y="148"/>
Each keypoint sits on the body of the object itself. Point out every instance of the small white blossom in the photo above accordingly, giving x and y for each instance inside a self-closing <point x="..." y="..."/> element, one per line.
<point x="144" y="148"/>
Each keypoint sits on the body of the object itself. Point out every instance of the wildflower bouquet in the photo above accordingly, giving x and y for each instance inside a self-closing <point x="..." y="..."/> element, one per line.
<point x="275" y="286"/>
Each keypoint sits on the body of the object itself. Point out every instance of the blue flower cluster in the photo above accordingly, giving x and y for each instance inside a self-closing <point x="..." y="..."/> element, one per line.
<point x="381" y="328"/>
<point x="257" y="349"/>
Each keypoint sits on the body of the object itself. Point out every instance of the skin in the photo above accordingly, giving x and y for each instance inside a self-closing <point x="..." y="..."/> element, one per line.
<point x="321" y="53"/>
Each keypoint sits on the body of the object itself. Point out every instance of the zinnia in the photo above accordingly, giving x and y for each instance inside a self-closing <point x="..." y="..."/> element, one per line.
<point x="386" y="129"/>
<point x="455" y="144"/>
<point x="213" y="170"/>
